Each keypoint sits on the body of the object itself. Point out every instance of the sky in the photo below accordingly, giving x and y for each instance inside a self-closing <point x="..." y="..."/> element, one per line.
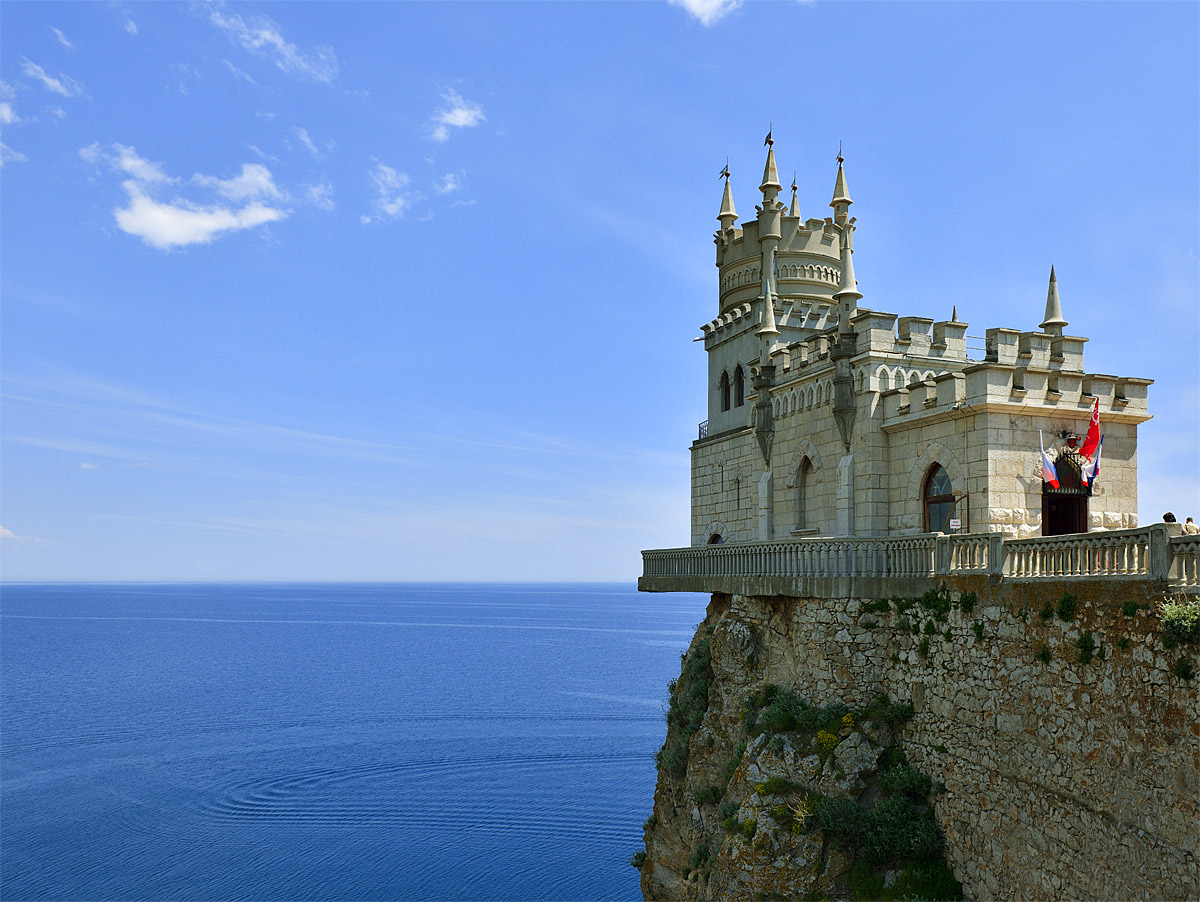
<point x="407" y="291"/>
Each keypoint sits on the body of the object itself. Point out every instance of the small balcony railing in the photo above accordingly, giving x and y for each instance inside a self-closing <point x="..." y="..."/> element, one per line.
<point x="703" y="430"/>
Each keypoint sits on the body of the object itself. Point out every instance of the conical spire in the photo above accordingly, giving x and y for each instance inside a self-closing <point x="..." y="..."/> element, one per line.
<point x="769" y="329"/>
<point x="954" y="313"/>
<point x="1054" y="321"/>
<point x="795" y="209"/>
<point x="770" y="173"/>
<point x="841" y="195"/>
<point x="847" y="284"/>
<point x="728" y="214"/>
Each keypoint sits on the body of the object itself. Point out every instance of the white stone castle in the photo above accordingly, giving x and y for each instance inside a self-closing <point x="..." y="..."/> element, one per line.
<point x="826" y="418"/>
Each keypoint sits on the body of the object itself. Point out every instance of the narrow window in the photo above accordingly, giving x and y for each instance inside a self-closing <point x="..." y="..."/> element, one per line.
<point x="939" y="500"/>
<point x="805" y="490"/>
<point x="725" y="391"/>
<point x="739" y="387"/>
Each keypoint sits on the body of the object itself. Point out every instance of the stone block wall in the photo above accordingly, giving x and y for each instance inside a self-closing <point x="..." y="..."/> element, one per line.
<point x="1064" y="780"/>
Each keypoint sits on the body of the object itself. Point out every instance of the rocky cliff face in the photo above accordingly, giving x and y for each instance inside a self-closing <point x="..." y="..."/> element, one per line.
<point x="764" y="794"/>
<point x="1051" y="749"/>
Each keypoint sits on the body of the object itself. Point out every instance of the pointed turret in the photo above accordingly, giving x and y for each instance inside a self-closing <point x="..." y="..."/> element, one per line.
<point x="770" y="186"/>
<point x="954" y="313"/>
<point x="1054" y="321"/>
<point x="795" y="209"/>
<point x="728" y="215"/>
<point x="847" y="294"/>
<point x="841" y="195"/>
<point x="769" y="330"/>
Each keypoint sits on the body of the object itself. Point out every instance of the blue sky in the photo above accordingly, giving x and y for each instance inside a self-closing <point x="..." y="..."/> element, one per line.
<point x="407" y="291"/>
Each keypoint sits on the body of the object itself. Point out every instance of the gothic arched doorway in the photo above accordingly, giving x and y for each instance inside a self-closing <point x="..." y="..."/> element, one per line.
<point x="1065" y="509"/>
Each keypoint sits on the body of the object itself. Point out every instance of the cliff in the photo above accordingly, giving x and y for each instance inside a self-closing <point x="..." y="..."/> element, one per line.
<point x="1041" y="742"/>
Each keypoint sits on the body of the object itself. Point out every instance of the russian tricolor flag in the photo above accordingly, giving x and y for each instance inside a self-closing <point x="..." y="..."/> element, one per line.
<point x="1049" y="474"/>
<point x="1093" y="469"/>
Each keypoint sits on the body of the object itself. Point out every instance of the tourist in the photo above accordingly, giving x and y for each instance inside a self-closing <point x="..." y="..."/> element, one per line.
<point x="1190" y="528"/>
<point x="1169" y="517"/>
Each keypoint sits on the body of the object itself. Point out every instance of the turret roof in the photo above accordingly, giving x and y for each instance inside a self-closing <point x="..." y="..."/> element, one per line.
<point x="1054" y="317"/>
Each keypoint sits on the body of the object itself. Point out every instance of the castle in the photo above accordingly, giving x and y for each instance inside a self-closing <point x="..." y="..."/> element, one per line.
<point x="826" y="418"/>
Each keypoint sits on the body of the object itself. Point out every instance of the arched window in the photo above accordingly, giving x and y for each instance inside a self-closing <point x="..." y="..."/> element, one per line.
<point x="739" y="387"/>
<point x="939" y="500"/>
<point x="725" y="391"/>
<point x="805" y="492"/>
<point x="715" y="539"/>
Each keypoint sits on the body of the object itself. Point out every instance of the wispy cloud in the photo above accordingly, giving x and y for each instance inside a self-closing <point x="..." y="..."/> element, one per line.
<point x="238" y="73"/>
<point x="85" y="465"/>
<point x="254" y="183"/>
<point x="458" y="113"/>
<point x="8" y="116"/>
<point x="263" y="36"/>
<point x="62" y="38"/>
<point x="8" y="155"/>
<point x="390" y="197"/>
<point x="8" y="535"/>
<point x="303" y="137"/>
<point x="449" y="182"/>
<point x="63" y="84"/>
<point x="708" y="11"/>
<point x="131" y="27"/>
<point x="320" y="195"/>
<point x="178" y="222"/>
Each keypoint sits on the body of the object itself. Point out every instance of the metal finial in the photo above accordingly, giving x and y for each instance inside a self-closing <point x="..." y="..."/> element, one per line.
<point x="724" y="173"/>
<point x="769" y="141"/>
<point x="793" y="179"/>
<point x="841" y="159"/>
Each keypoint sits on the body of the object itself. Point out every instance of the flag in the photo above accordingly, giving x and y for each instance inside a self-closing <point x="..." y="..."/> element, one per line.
<point x="1093" y="469"/>
<point x="1049" y="474"/>
<point x="1093" y="433"/>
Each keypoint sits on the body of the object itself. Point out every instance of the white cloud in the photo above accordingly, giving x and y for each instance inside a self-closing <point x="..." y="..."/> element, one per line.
<point x="8" y="535"/>
<point x="8" y="116"/>
<point x="62" y="38"/>
<point x="64" y="84"/>
<point x="263" y="36"/>
<point x="180" y="222"/>
<point x="58" y="113"/>
<point x="708" y="11"/>
<point x="87" y="466"/>
<point x="320" y="195"/>
<point x="131" y="27"/>
<point x="254" y="183"/>
<point x="389" y="197"/>
<point x="448" y="183"/>
<point x="458" y="114"/>
<point x="8" y="155"/>
<point x="303" y="137"/>
<point x="238" y="73"/>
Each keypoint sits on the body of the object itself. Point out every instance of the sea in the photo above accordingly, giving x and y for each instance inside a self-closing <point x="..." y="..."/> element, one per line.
<point x="331" y="741"/>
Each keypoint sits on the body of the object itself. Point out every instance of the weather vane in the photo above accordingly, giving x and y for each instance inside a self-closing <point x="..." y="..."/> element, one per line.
<point x="769" y="140"/>
<point x="724" y="173"/>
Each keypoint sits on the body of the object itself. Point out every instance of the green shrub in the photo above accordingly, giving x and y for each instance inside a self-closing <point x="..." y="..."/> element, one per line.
<point x="778" y="786"/>
<point x="709" y="795"/>
<point x="749" y="826"/>
<point x="1024" y="615"/>
<point x="937" y="601"/>
<point x="699" y="856"/>
<point x="1122" y="643"/>
<point x="930" y="628"/>
<point x="1130" y="608"/>
<point x="884" y="712"/>
<point x="948" y="635"/>
<point x="689" y="703"/>
<point x="923" y="648"/>
<point x="916" y="628"/>
<point x="1066" y="608"/>
<point x="731" y="825"/>
<point x="869" y="624"/>
<point x="1043" y="655"/>
<point x="841" y="817"/>
<point x="638" y="859"/>
<point x="651" y="822"/>
<point x="1183" y="669"/>
<point x="902" y="779"/>
<point x="977" y="626"/>
<point x="1047" y="610"/>
<point x="925" y="880"/>
<point x="1180" y="618"/>
<point x="882" y="606"/>
<point x="1086" y="644"/>
<point x="967" y="602"/>
<point x="726" y="810"/>
<point x="898" y="830"/>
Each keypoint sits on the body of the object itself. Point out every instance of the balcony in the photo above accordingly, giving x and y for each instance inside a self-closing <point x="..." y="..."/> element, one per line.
<point x="905" y="565"/>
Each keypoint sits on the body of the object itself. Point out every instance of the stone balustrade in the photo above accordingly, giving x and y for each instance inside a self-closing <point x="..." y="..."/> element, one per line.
<point x="885" y="566"/>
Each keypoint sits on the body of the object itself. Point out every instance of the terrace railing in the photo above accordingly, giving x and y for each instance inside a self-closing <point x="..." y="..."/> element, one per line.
<point x="1149" y="552"/>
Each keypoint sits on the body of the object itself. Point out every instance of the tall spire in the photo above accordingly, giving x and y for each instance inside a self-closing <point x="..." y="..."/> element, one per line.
<point x="841" y="195"/>
<point x="728" y="215"/>
<point x="847" y="294"/>
<point x="1054" y="321"/>
<point x="769" y="329"/>
<point x="795" y="210"/>
<point x="770" y="173"/>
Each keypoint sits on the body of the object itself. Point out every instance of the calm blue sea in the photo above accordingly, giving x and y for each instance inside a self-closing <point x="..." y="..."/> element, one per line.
<point x="353" y="741"/>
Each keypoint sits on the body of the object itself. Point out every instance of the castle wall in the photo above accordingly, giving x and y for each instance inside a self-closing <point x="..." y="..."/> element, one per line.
<point x="1064" y="780"/>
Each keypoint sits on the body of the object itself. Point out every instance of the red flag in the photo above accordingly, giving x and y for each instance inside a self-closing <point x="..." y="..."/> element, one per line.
<point x="1093" y="433"/>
